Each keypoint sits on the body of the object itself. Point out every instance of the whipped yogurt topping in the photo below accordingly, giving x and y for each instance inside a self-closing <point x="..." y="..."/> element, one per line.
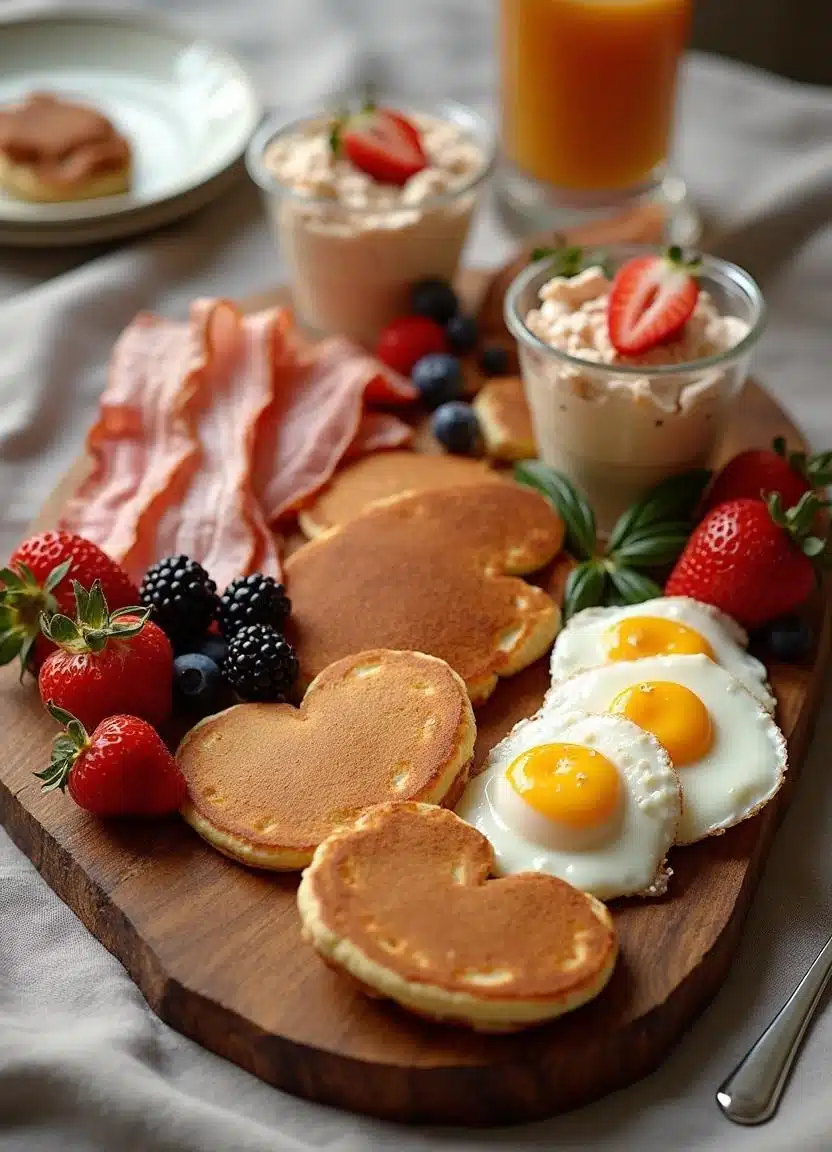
<point x="354" y="245"/>
<point x="304" y="161"/>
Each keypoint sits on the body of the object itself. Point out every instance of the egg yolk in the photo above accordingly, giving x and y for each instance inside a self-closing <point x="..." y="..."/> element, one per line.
<point x="568" y="783"/>
<point x="672" y="713"/>
<point x="635" y="637"/>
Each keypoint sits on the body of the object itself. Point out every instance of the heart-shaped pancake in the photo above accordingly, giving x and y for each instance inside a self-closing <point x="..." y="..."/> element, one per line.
<point x="402" y="901"/>
<point x="431" y="572"/>
<point x="268" y="782"/>
<point x="380" y="475"/>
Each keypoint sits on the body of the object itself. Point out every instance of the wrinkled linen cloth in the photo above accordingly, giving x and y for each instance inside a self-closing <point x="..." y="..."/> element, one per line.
<point x="84" y="1064"/>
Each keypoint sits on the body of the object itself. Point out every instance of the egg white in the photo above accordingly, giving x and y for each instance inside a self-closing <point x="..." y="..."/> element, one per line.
<point x="746" y="763"/>
<point x="631" y="858"/>
<point x="581" y="644"/>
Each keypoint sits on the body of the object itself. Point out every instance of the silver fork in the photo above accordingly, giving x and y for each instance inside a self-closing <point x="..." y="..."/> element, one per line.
<point x="752" y="1092"/>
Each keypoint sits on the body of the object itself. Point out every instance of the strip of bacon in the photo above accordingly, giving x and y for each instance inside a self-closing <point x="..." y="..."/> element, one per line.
<point x="379" y="431"/>
<point x="317" y="418"/>
<point x="143" y="447"/>
<point x="219" y="521"/>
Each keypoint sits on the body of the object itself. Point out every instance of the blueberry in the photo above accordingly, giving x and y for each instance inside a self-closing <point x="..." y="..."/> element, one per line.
<point x="455" y="426"/>
<point x="434" y="298"/>
<point x="494" y="360"/>
<point x="438" y="377"/>
<point x="214" y="647"/>
<point x="462" y="333"/>
<point x="197" y="683"/>
<point x="788" y="639"/>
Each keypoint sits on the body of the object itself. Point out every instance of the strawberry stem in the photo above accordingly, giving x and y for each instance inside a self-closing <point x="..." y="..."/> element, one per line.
<point x="66" y="748"/>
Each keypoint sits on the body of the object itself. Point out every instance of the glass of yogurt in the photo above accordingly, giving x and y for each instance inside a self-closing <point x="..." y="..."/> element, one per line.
<point x="618" y="424"/>
<point x="354" y="245"/>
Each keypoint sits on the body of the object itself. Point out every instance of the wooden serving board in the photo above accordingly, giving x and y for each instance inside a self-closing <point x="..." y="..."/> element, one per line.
<point x="216" y="948"/>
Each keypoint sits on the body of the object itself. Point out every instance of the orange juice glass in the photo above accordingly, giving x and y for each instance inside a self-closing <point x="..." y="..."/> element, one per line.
<point x="588" y="94"/>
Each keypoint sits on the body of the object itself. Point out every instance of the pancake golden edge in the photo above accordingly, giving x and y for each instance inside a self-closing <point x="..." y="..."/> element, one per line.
<point x="447" y="789"/>
<point x="533" y="638"/>
<point x="376" y="472"/>
<point x="502" y="441"/>
<point x="23" y="182"/>
<point x="428" y="1000"/>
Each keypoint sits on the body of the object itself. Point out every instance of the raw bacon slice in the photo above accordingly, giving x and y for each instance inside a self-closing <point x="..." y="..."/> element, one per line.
<point x="219" y="521"/>
<point x="143" y="447"/>
<point x="379" y="431"/>
<point x="317" y="417"/>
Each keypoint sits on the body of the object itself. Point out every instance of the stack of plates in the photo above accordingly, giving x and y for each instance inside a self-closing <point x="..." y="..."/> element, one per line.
<point x="187" y="107"/>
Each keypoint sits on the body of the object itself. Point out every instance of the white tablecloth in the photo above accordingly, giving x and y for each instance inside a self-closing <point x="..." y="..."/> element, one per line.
<point x="83" y="1062"/>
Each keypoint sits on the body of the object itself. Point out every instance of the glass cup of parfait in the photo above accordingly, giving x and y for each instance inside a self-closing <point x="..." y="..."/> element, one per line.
<point x="616" y="424"/>
<point x="366" y="202"/>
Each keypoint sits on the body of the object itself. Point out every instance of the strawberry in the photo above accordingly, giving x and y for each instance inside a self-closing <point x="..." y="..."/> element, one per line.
<point x="651" y="299"/>
<point x="406" y="340"/>
<point x="107" y="663"/>
<point x="759" y="471"/>
<point x="751" y="559"/>
<point x="36" y="580"/>
<point x="123" y="769"/>
<point x="383" y="144"/>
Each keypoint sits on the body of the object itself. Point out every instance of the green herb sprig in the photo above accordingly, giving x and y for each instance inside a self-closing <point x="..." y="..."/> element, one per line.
<point x="568" y="260"/>
<point x="646" y="538"/>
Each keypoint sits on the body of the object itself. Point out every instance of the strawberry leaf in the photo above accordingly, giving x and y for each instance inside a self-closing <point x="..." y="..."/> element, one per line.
<point x="63" y="717"/>
<point x="10" y="641"/>
<point x="96" y="613"/>
<point x="633" y="587"/>
<point x="60" y="629"/>
<point x="567" y="501"/>
<point x="56" y="575"/>
<point x="585" y="588"/>
<point x="13" y="582"/>
<point x="813" y="546"/>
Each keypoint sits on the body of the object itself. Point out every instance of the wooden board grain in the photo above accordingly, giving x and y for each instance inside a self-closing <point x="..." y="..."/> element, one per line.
<point x="217" y="953"/>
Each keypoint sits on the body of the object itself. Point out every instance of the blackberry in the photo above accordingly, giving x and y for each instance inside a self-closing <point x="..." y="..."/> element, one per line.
<point x="252" y="599"/>
<point x="183" y="598"/>
<point x="260" y="664"/>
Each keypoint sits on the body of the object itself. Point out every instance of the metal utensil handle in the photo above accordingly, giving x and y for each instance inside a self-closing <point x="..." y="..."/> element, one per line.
<point x="752" y="1092"/>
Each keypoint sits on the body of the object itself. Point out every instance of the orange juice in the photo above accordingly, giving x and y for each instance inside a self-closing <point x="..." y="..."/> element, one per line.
<point x="588" y="88"/>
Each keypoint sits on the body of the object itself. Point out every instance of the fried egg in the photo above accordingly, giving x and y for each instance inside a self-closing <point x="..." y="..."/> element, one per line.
<point x="593" y="800"/>
<point x="729" y="753"/>
<point x="666" y="626"/>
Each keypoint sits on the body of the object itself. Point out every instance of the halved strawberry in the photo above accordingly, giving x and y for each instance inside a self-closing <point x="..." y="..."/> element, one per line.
<point x="384" y="144"/>
<point x="652" y="298"/>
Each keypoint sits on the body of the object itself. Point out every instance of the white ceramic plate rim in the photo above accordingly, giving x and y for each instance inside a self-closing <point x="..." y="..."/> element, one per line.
<point x="115" y="206"/>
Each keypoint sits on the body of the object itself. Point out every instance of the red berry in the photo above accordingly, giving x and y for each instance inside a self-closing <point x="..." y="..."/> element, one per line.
<point x="26" y="589"/>
<point x="123" y="769"/>
<point x="408" y="339"/>
<point x="384" y="144"/>
<point x="750" y="559"/>
<point x="107" y="664"/>
<point x="763" y="470"/>
<point x="651" y="300"/>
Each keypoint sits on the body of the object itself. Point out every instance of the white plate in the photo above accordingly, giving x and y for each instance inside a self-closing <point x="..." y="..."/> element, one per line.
<point x="187" y="107"/>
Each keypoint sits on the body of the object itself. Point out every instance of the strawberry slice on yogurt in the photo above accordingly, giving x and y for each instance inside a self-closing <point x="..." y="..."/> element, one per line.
<point x="385" y="145"/>
<point x="651" y="300"/>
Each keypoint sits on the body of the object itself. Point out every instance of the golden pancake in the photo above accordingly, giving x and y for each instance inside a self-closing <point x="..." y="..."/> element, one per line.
<point x="403" y="903"/>
<point x="431" y="572"/>
<point x="505" y="420"/>
<point x="268" y="782"/>
<point x="381" y="475"/>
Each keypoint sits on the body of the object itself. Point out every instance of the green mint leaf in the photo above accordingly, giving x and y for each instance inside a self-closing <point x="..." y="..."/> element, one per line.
<point x="585" y="587"/>
<point x="567" y="259"/>
<point x="655" y="546"/>
<point x="633" y="587"/>
<point x="674" y="499"/>
<point x="56" y="575"/>
<point x="567" y="501"/>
